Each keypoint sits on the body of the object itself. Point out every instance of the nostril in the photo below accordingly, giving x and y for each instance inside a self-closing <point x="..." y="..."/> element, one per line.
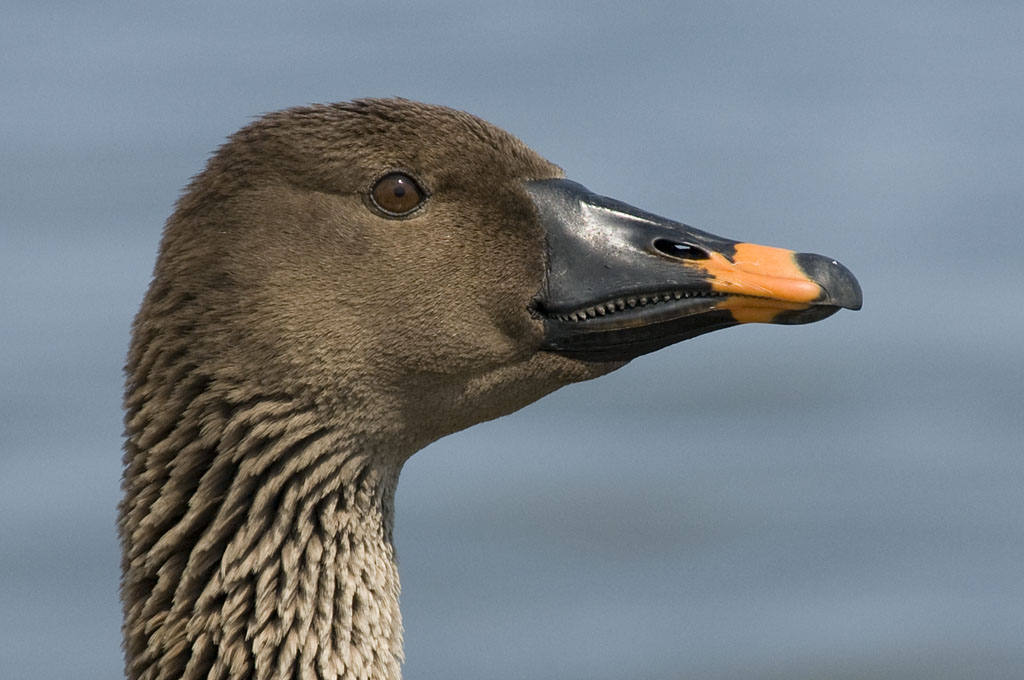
<point x="684" y="251"/>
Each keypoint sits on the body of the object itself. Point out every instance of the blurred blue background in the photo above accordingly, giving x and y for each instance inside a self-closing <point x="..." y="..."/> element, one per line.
<point x="841" y="500"/>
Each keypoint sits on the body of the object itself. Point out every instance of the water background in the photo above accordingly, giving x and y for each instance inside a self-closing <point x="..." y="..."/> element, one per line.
<point x="841" y="500"/>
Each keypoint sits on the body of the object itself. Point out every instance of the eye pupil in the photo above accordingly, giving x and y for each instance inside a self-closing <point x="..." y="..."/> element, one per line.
<point x="397" y="194"/>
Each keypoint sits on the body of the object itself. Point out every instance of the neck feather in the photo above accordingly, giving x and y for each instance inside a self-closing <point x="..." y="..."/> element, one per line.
<point x="257" y="542"/>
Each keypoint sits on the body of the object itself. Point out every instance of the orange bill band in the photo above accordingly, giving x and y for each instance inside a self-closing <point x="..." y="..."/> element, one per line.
<point x="769" y="279"/>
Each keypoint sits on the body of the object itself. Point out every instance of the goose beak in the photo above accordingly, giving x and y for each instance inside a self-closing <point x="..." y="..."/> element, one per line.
<point x="622" y="282"/>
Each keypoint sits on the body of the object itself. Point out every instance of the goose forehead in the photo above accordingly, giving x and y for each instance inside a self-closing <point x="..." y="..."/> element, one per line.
<point x="373" y="135"/>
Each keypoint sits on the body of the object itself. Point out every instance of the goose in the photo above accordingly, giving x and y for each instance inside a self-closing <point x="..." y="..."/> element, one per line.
<point x="340" y="286"/>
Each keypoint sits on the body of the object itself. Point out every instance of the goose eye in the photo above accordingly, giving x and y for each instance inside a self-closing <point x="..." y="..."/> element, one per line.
<point x="397" y="194"/>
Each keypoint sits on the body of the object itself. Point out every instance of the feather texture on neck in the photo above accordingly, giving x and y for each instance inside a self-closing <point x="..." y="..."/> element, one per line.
<point x="258" y="541"/>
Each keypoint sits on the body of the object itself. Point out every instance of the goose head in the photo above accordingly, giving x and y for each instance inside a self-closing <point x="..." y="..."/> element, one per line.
<point x="441" y="271"/>
<point x="340" y="286"/>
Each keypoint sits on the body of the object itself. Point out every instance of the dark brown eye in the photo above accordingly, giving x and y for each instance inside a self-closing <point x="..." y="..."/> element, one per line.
<point x="397" y="194"/>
